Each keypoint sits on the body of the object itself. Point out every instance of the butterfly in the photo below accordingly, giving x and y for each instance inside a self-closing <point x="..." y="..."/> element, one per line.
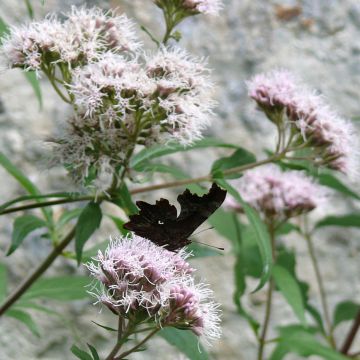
<point x="161" y="224"/>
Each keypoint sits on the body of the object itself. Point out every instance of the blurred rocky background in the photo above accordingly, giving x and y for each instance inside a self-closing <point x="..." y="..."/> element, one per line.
<point x="317" y="39"/>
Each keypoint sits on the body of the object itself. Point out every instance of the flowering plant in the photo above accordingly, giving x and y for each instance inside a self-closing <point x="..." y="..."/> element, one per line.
<point x="128" y="107"/>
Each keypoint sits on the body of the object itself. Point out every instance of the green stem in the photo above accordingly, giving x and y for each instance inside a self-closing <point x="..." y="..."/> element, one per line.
<point x="155" y="187"/>
<point x="351" y="336"/>
<point x="269" y="296"/>
<point x="142" y="342"/>
<point x="306" y="234"/>
<point x="46" y="203"/>
<point x="38" y="272"/>
<point x="119" y="341"/>
<point x="47" y="72"/>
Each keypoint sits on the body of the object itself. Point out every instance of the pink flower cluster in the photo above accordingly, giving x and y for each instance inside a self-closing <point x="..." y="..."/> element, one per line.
<point x="278" y="194"/>
<point x="332" y="138"/>
<point x="140" y="277"/>
<point x="80" y="39"/>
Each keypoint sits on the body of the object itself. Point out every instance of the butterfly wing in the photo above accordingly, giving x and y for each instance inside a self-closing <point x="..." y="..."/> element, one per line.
<point x="153" y="221"/>
<point x="160" y="224"/>
<point x="196" y="209"/>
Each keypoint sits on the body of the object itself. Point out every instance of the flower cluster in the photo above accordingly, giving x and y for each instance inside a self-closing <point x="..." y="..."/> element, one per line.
<point x="331" y="138"/>
<point x="80" y="39"/>
<point x="193" y="7"/>
<point x="208" y="7"/>
<point x="123" y="102"/>
<point x="122" y="97"/>
<point x="144" y="281"/>
<point x="278" y="195"/>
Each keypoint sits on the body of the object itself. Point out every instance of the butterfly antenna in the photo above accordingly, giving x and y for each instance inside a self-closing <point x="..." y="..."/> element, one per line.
<point x="212" y="246"/>
<point x="210" y="228"/>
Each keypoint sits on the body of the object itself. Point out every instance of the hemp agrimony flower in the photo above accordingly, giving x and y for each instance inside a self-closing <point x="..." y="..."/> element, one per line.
<point x="124" y="102"/>
<point x="310" y="121"/>
<point x="276" y="194"/>
<point x="191" y="7"/>
<point x="80" y="39"/>
<point x="143" y="282"/>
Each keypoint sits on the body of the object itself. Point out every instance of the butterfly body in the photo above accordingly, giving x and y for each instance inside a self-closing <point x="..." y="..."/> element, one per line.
<point x="161" y="224"/>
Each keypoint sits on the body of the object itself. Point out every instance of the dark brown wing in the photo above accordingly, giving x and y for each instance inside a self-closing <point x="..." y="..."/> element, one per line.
<point x="196" y="209"/>
<point x="154" y="222"/>
<point x="160" y="224"/>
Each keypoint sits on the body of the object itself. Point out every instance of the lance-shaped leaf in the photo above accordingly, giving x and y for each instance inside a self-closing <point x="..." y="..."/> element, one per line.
<point x="89" y="221"/>
<point x="23" y="226"/>
<point x="349" y="220"/>
<point x="289" y="287"/>
<point x="238" y="158"/>
<point x="186" y="342"/>
<point x="262" y="236"/>
<point x="25" y="318"/>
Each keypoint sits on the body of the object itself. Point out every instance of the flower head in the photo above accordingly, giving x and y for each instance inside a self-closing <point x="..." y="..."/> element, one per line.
<point x="332" y="139"/>
<point x="142" y="279"/>
<point x="80" y="39"/>
<point x="278" y="194"/>
<point x="207" y="7"/>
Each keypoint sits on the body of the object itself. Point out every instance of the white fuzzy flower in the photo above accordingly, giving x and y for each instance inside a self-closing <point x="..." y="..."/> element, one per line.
<point x="81" y="38"/>
<point x="208" y="7"/>
<point x="184" y="93"/>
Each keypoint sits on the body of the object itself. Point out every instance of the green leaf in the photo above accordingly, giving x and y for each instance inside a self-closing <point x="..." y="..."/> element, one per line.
<point x="287" y="228"/>
<point x="80" y="354"/>
<point x="171" y="148"/>
<point x="30" y="305"/>
<point x="124" y="201"/>
<point x="304" y="344"/>
<point x="200" y="251"/>
<point x="238" y="158"/>
<point x="105" y="327"/>
<point x="289" y="287"/>
<point x="333" y="182"/>
<point x="345" y="311"/>
<point x="223" y="223"/>
<point x="119" y="223"/>
<point x="34" y="82"/>
<point x="68" y="216"/>
<point x="25" y="318"/>
<point x="36" y="197"/>
<point x="94" y="353"/>
<point x="186" y="342"/>
<point x="4" y="29"/>
<point x="349" y="220"/>
<point x="89" y="221"/>
<point x="23" y="226"/>
<point x="29" y="9"/>
<point x="90" y="253"/>
<point x="59" y="288"/>
<point x="261" y="234"/>
<point x="3" y="282"/>
<point x="24" y="182"/>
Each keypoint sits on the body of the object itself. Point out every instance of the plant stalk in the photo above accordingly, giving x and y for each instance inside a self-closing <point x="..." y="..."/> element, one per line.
<point x="320" y="282"/>
<point x="38" y="272"/>
<point x="142" y="342"/>
<point x="119" y="342"/>
<point x="351" y="335"/>
<point x="269" y="296"/>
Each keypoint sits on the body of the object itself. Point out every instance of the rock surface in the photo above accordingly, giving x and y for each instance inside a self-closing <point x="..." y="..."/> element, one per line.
<point x="316" y="39"/>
